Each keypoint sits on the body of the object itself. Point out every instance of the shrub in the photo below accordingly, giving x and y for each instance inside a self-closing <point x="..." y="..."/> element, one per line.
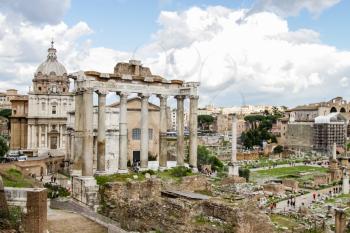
<point x="205" y="158"/>
<point x="151" y="172"/>
<point x="278" y="149"/>
<point x="180" y="171"/>
<point x="56" y="191"/>
<point x="244" y="172"/>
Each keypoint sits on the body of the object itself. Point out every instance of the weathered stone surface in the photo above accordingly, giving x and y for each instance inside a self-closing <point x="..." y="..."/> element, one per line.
<point x="293" y="184"/>
<point x="4" y="211"/>
<point x="139" y="206"/>
<point x="35" y="220"/>
<point x="233" y="180"/>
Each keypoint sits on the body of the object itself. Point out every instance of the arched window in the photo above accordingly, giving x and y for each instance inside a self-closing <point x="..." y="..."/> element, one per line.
<point x="333" y="109"/>
<point x="54" y="110"/>
<point x="342" y="110"/>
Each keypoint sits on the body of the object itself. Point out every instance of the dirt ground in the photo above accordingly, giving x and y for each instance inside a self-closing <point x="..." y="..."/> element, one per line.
<point x="60" y="221"/>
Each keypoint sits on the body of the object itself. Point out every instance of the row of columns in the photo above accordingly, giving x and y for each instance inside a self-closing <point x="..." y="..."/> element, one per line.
<point x="84" y="131"/>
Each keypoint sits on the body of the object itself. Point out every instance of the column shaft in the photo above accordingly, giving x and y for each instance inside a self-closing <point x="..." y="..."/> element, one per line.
<point x="234" y="139"/>
<point x="123" y="134"/>
<point x="163" y="132"/>
<point x="101" y="132"/>
<point x="193" y="131"/>
<point x="78" y="128"/>
<point x="87" y="168"/>
<point x="180" y="130"/>
<point x="144" y="132"/>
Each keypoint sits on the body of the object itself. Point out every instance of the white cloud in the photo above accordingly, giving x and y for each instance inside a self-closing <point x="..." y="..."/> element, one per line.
<point x="292" y="7"/>
<point x="36" y="11"/>
<point x="258" y="57"/>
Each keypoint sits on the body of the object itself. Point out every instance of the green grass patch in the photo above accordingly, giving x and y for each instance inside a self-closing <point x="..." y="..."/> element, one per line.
<point x="290" y="171"/>
<point x="283" y="221"/>
<point x="14" y="178"/>
<point x="341" y="198"/>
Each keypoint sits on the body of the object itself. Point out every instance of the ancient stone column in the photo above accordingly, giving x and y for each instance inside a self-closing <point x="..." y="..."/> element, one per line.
<point x="345" y="186"/>
<point x="334" y="151"/>
<point x="233" y="167"/>
<point x="163" y="132"/>
<point x="87" y="167"/>
<point x="144" y="132"/>
<point x="193" y="132"/>
<point x="35" y="220"/>
<point x="123" y="134"/>
<point x="101" y="132"/>
<point x="180" y="130"/>
<point x="78" y="134"/>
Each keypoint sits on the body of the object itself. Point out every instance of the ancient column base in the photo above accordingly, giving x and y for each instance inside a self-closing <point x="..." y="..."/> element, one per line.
<point x="143" y="169"/>
<point x="194" y="170"/>
<point x="85" y="190"/>
<point x="123" y="171"/>
<point x="233" y="170"/>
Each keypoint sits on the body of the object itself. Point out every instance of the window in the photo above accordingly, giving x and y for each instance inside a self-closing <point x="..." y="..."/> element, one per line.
<point x="54" y="110"/>
<point x="136" y="134"/>
<point x="64" y="89"/>
<point x="39" y="88"/>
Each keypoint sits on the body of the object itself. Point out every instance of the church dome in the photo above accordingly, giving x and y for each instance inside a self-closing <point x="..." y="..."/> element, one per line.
<point x="51" y="64"/>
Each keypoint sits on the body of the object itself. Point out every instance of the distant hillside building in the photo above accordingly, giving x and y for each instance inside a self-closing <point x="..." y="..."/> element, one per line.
<point x="6" y="97"/>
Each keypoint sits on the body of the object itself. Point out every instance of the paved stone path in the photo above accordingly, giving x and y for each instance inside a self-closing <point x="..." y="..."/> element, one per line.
<point x="61" y="221"/>
<point x="306" y="199"/>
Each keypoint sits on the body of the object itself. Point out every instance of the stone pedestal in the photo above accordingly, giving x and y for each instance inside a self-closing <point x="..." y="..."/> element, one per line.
<point x="345" y="186"/>
<point x="233" y="170"/>
<point x="35" y="220"/>
<point x="85" y="190"/>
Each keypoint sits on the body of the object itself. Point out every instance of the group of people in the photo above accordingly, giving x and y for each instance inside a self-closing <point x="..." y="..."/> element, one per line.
<point x="291" y="202"/>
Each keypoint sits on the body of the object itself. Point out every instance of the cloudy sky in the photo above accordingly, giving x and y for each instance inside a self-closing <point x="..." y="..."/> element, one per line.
<point x="254" y="51"/>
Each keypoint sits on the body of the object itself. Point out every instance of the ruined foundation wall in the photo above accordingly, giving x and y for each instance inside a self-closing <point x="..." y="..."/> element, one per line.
<point x="139" y="206"/>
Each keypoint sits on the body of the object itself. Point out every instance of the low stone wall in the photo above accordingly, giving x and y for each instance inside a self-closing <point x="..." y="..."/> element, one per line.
<point x="293" y="184"/>
<point x="322" y="179"/>
<point x="274" y="188"/>
<point x="190" y="184"/>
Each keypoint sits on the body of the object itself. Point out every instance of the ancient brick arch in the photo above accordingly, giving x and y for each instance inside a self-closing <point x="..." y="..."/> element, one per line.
<point x="334" y="109"/>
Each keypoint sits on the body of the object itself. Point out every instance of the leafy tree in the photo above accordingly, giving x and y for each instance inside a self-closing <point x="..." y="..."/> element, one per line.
<point x="3" y="147"/>
<point x="260" y="130"/>
<point x="278" y="149"/>
<point x="205" y="121"/>
<point x="205" y="158"/>
<point x="5" y="113"/>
